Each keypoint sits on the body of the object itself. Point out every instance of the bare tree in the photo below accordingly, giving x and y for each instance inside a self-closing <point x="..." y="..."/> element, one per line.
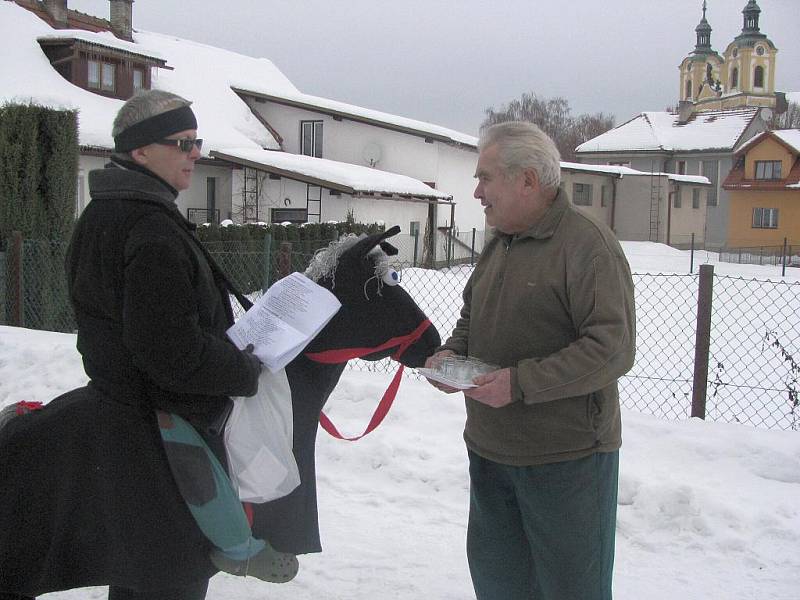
<point x="790" y="119"/>
<point x="553" y="117"/>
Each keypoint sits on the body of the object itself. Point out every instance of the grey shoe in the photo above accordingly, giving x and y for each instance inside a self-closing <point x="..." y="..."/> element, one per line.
<point x="268" y="565"/>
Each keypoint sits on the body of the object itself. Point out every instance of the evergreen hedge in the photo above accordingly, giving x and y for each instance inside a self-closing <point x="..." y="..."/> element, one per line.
<point x="240" y="249"/>
<point x="38" y="171"/>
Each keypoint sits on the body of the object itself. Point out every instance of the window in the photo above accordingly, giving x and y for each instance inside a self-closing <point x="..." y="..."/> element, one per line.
<point x="311" y="138"/>
<point x="676" y="201"/>
<point x="680" y="167"/>
<point x="138" y="79"/>
<point x="711" y="172"/>
<point x="102" y="76"/>
<point x="293" y="215"/>
<point x="768" y="169"/>
<point x="582" y="194"/>
<point x="211" y="199"/>
<point x="695" y="197"/>
<point x="604" y="195"/>
<point x="689" y="89"/>
<point x="758" y="77"/>
<point x="765" y="218"/>
<point x="94" y="74"/>
<point x="735" y="78"/>
<point x="619" y="163"/>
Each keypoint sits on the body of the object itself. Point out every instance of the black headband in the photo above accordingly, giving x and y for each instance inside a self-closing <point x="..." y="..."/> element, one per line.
<point x="155" y="128"/>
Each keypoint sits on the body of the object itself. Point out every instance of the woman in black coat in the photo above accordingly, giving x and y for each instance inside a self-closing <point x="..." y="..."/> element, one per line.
<point x="87" y="496"/>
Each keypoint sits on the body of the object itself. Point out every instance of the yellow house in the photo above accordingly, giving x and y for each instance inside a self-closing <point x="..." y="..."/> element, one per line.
<point x="764" y="191"/>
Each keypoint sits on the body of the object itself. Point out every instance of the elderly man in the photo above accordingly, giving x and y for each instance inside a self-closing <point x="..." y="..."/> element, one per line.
<point x="91" y="493"/>
<point x="550" y="302"/>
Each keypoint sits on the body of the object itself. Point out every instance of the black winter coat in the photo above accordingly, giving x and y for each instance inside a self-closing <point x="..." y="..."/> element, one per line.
<point x="86" y="494"/>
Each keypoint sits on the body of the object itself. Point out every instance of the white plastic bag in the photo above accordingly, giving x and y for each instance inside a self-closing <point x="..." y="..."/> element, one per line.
<point x="258" y="441"/>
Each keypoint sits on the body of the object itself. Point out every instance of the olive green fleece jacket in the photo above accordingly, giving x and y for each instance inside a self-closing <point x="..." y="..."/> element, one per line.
<point x="555" y="304"/>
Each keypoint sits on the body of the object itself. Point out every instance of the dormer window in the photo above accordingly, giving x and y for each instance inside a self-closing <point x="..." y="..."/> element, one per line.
<point x="116" y="69"/>
<point x="102" y="76"/>
<point x="138" y="79"/>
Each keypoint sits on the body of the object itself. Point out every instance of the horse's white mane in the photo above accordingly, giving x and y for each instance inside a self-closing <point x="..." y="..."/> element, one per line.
<point x="325" y="260"/>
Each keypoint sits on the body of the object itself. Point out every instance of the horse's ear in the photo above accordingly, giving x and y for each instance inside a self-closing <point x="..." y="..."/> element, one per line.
<point x="389" y="249"/>
<point x="369" y="242"/>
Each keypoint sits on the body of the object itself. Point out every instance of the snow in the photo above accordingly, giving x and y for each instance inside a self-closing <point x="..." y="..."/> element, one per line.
<point x="100" y="38"/>
<point x="790" y="136"/>
<point x="199" y="73"/>
<point x="622" y="171"/>
<point x="357" y="177"/>
<point x="793" y="97"/>
<point x="706" y="510"/>
<point x="360" y="112"/>
<point x="711" y="130"/>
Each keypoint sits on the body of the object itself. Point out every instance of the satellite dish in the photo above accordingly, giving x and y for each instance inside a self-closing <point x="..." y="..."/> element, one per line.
<point x="766" y="114"/>
<point x="371" y="154"/>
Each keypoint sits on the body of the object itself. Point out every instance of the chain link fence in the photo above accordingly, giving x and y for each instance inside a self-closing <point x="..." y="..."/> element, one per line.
<point x="754" y="351"/>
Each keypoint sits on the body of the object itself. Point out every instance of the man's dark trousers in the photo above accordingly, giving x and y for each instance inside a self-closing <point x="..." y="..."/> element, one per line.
<point x="543" y="532"/>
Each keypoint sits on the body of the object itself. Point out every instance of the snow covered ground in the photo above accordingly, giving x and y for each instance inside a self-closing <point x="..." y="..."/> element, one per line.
<point x="706" y="510"/>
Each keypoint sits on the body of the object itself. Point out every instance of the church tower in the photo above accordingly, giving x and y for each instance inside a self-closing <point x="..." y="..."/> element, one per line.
<point x="750" y="64"/>
<point x="701" y="71"/>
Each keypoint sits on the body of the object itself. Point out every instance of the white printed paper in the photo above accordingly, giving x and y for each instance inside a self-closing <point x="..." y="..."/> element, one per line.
<point x="284" y="320"/>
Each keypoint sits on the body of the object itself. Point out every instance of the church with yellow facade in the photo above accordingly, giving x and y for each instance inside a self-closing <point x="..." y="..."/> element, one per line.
<point x="744" y="75"/>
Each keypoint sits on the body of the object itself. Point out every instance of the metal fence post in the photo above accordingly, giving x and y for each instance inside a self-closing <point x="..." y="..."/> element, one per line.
<point x="416" y="245"/>
<point x="16" y="278"/>
<point x="267" y="261"/>
<point x="702" y="340"/>
<point x="783" y="258"/>
<point x="472" y="248"/>
<point x="691" y="258"/>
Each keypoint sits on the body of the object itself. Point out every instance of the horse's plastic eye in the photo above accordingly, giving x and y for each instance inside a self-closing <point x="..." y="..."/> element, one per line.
<point x="391" y="277"/>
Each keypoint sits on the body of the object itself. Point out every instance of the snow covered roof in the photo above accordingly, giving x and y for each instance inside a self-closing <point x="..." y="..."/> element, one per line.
<point x="200" y="73"/>
<point x="793" y="97"/>
<point x="105" y="39"/>
<point x="662" y="131"/>
<point x="790" y="137"/>
<point x="620" y="171"/>
<point x="344" y="177"/>
<point x="356" y="113"/>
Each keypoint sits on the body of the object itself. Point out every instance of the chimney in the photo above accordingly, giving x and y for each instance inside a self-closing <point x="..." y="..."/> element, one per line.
<point x="685" y="109"/>
<point x="57" y="10"/>
<point x="121" y="19"/>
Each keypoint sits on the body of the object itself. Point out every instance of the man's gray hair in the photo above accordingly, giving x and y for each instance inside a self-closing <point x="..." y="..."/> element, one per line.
<point x="521" y="146"/>
<point x="143" y="105"/>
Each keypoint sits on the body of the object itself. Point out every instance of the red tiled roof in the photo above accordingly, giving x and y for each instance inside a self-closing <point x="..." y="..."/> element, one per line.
<point x="736" y="181"/>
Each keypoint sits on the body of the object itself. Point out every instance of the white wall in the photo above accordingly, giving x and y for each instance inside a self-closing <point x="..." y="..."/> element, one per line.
<point x="450" y="168"/>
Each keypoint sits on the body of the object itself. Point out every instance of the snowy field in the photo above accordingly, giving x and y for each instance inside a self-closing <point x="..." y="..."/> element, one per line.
<point x="707" y="511"/>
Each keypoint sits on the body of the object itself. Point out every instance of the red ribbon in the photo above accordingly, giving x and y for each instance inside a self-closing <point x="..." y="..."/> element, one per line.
<point x="24" y="407"/>
<point x="341" y="355"/>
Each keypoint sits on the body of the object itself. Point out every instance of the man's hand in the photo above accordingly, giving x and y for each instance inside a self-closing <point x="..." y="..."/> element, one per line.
<point x="431" y="363"/>
<point x="494" y="389"/>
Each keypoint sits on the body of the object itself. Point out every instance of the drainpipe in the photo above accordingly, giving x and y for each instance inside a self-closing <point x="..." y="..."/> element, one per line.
<point x="613" y="202"/>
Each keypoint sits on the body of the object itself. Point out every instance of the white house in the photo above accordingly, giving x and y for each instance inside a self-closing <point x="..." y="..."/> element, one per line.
<point x="270" y="153"/>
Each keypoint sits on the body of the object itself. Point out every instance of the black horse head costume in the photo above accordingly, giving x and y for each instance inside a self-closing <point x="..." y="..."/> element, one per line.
<point x="377" y="319"/>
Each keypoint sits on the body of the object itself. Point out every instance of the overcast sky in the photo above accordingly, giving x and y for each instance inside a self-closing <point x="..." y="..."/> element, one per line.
<point x="446" y="61"/>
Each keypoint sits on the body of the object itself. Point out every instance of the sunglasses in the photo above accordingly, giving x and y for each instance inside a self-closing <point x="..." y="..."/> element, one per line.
<point x="184" y="145"/>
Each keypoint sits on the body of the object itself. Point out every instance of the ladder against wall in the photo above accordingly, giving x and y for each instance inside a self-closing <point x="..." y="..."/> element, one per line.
<point x="655" y="202"/>
<point x="250" y="193"/>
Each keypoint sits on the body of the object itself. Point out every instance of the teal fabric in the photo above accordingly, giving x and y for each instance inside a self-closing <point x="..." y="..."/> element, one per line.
<point x="544" y="531"/>
<point x="220" y="516"/>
